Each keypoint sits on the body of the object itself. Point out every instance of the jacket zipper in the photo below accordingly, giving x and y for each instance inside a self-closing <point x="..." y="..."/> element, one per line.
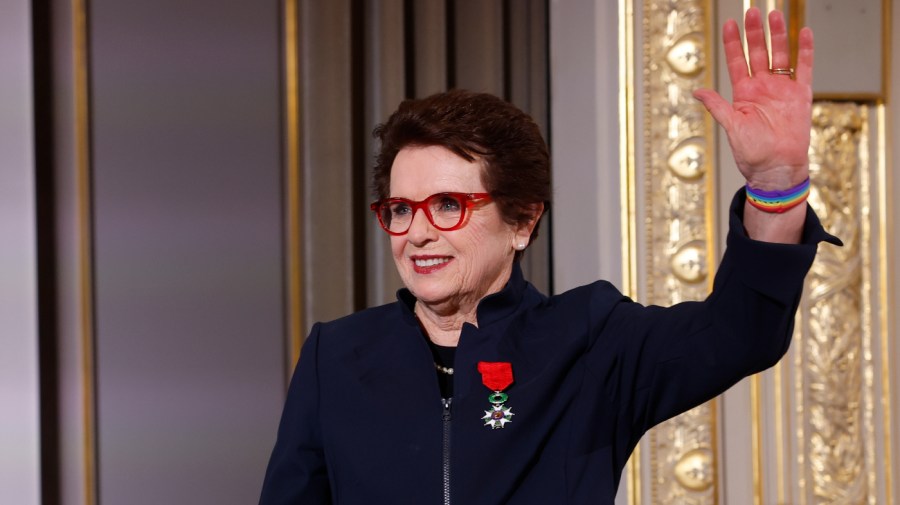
<point x="446" y="450"/>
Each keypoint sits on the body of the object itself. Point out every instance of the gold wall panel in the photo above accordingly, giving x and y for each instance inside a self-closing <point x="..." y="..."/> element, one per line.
<point x="678" y="135"/>
<point x="828" y="399"/>
<point x="831" y="333"/>
<point x="821" y="420"/>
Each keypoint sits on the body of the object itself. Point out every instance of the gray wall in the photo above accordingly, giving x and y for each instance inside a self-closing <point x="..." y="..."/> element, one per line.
<point x="19" y="395"/>
<point x="185" y="123"/>
<point x="167" y="370"/>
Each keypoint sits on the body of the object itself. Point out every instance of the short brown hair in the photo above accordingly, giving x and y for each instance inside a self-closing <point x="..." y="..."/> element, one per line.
<point x="474" y="125"/>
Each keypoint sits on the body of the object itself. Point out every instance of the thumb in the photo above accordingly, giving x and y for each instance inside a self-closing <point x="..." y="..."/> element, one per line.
<point x="720" y="109"/>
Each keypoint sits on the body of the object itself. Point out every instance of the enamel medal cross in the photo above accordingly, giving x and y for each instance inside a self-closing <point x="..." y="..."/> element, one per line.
<point x="496" y="377"/>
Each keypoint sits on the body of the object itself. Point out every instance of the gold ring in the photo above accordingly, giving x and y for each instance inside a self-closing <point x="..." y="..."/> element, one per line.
<point x="782" y="71"/>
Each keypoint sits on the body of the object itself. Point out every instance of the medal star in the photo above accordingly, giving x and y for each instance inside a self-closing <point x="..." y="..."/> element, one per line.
<point x="498" y="416"/>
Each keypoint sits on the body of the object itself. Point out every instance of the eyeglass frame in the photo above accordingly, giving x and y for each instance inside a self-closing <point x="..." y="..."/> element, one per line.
<point x="470" y="200"/>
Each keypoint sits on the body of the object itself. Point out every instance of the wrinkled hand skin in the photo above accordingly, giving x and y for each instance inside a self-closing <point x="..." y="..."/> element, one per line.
<point x="768" y="123"/>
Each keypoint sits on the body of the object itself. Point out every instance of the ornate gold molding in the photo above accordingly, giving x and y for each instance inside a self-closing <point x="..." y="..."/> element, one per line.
<point x="292" y="211"/>
<point x="678" y="135"/>
<point x="80" y="58"/>
<point x="628" y="194"/>
<point x="886" y="347"/>
<point x="833" y="339"/>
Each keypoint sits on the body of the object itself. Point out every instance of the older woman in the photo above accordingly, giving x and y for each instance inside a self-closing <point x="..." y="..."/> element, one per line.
<point x="473" y="387"/>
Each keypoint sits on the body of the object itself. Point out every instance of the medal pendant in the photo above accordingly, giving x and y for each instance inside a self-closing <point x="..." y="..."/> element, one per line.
<point x="499" y="414"/>
<point x="497" y="377"/>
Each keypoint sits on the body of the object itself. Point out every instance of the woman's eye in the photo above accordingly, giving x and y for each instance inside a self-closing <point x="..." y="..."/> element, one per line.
<point x="448" y="204"/>
<point x="400" y="209"/>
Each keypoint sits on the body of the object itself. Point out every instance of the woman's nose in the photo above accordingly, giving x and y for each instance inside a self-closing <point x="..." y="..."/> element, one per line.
<point x="421" y="230"/>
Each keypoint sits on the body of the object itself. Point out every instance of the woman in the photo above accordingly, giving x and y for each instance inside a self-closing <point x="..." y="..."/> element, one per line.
<point x="538" y="400"/>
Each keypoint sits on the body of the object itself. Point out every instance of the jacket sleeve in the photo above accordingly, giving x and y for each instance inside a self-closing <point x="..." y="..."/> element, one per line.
<point x="659" y="362"/>
<point x="297" y="472"/>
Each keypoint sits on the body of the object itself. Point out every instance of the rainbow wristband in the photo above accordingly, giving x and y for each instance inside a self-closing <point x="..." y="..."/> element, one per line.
<point x="778" y="201"/>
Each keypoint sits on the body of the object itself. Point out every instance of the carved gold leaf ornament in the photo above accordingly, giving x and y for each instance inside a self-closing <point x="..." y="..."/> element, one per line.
<point x="686" y="55"/>
<point x="827" y="447"/>
<point x="683" y="459"/>
<point x="689" y="263"/>
<point x="678" y="200"/>
<point x="687" y="161"/>
<point x="833" y="364"/>
<point x="694" y="470"/>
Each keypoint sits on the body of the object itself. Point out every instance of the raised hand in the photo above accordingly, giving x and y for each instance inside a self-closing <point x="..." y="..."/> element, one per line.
<point x="769" y="122"/>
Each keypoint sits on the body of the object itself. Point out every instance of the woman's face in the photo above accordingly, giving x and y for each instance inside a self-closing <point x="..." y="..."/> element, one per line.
<point x="450" y="270"/>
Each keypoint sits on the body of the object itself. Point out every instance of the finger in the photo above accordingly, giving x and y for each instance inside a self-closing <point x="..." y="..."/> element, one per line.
<point x="781" y="50"/>
<point x="720" y="109"/>
<point x="805" y="57"/>
<point x="756" y="42"/>
<point x="734" y="52"/>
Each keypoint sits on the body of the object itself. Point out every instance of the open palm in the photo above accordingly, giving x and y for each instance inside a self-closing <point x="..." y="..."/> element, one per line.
<point x="768" y="123"/>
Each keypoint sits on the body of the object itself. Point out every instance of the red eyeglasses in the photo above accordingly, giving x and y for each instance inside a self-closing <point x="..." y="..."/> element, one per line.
<point x="445" y="211"/>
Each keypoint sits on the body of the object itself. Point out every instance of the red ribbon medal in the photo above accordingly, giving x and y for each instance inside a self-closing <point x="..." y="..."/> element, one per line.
<point x="496" y="377"/>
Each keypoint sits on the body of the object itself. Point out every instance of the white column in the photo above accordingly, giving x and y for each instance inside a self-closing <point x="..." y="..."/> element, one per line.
<point x="584" y="141"/>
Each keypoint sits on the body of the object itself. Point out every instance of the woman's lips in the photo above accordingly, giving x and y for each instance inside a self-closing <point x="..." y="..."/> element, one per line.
<point x="428" y="264"/>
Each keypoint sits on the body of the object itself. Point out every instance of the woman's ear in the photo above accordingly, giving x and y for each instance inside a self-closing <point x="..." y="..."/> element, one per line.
<point x="524" y="229"/>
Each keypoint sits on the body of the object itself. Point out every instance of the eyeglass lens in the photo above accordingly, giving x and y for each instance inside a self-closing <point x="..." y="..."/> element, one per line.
<point x="443" y="211"/>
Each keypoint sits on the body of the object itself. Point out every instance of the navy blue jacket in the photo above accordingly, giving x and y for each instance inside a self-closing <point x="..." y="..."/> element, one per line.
<point x="363" y="422"/>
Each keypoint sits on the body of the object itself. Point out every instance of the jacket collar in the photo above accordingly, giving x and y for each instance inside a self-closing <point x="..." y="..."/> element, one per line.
<point x="491" y="308"/>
